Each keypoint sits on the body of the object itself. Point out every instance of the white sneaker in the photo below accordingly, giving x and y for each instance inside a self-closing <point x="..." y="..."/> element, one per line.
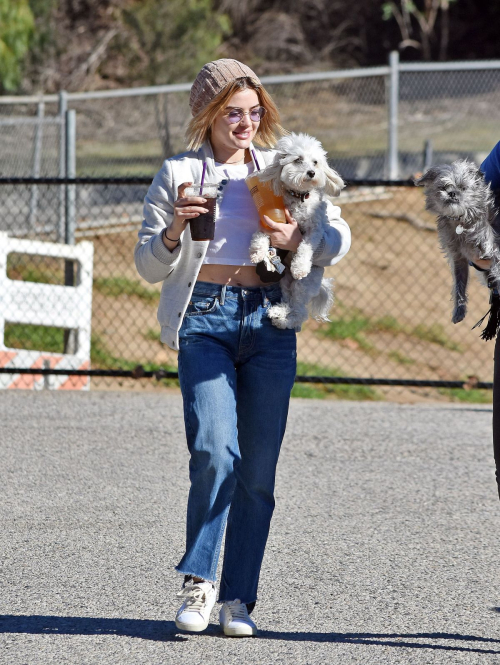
<point x="235" y="621"/>
<point x="194" y="613"/>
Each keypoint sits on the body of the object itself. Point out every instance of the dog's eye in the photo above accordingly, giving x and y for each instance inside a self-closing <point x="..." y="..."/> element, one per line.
<point x="315" y="163"/>
<point x="299" y="160"/>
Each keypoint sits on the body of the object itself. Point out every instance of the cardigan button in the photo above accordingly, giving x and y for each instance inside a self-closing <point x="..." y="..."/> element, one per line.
<point x="189" y="284"/>
<point x="198" y="256"/>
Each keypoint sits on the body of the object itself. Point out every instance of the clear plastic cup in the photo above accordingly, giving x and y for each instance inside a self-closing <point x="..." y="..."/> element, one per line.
<point x="266" y="201"/>
<point x="203" y="226"/>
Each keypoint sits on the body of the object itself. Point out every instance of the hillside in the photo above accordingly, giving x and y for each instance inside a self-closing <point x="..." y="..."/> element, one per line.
<point x="94" y="44"/>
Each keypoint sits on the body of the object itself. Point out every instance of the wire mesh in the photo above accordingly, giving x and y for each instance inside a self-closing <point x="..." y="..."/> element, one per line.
<point x="455" y="111"/>
<point x="442" y="115"/>
<point x="391" y="319"/>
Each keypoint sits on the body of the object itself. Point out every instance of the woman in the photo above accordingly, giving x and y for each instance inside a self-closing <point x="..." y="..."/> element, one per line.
<point x="236" y="370"/>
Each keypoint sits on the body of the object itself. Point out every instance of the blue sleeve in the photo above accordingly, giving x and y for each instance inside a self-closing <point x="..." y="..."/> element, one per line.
<point x="491" y="167"/>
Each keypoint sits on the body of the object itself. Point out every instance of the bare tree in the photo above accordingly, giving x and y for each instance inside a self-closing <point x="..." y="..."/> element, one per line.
<point x="418" y="27"/>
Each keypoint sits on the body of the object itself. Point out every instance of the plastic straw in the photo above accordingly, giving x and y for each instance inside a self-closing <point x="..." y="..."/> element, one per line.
<point x="203" y="177"/>
<point x="256" y="163"/>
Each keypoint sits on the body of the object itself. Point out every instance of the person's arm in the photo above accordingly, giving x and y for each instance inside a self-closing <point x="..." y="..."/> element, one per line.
<point x="491" y="170"/>
<point x="166" y="214"/>
<point x="153" y="259"/>
<point x="337" y="239"/>
<point x="491" y="167"/>
<point x="481" y="264"/>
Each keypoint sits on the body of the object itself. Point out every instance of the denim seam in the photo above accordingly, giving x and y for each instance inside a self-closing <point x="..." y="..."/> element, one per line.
<point x="215" y="559"/>
<point x="245" y="325"/>
<point x="211" y="310"/>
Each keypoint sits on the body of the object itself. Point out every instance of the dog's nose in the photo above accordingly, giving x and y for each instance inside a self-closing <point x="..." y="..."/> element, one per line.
<point x="452" y="195"/>
<point x="311" y="174"/>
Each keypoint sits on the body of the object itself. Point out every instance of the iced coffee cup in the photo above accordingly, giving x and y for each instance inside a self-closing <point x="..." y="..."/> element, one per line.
<point x="203" y="226"/>
<point x="266" y="201"/>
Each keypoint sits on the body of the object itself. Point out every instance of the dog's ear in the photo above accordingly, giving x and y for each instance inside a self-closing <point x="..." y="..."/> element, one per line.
<point x="429" y="176"/>
<point x="333" y="183"/>
<point x="286" y="159"/>
<point x="272" y="173"/>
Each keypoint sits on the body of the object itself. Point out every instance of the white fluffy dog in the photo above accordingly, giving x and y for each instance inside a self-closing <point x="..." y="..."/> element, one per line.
<point x="300" y="173"/>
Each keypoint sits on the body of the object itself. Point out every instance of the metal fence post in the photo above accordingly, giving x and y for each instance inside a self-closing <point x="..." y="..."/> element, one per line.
<point x="393" y="115"/>
<point x="70" y="219"/>
<point x="37" y="155"/>
<point x="428" y="155"/>
<point x="70" y="336"/>
<point x="63" y="107"/>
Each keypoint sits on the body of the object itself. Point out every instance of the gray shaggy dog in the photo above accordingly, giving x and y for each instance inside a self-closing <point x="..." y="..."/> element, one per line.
<point x="463" y="202"/>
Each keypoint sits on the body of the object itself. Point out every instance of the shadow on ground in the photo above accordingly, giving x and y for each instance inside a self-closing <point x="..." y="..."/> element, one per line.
<point x="166" y="631"/>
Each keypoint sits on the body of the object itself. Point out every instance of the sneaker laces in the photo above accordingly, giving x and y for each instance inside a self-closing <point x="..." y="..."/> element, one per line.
<point x="237" y="610"/>
<point x="195" y="597"/>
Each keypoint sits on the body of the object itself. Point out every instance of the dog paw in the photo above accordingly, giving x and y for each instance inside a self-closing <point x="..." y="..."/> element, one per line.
<point x="459" y="314"/>
<point x="257" y="257"/>
<point x="279" y="315"/>
<point x="298" y="273"/>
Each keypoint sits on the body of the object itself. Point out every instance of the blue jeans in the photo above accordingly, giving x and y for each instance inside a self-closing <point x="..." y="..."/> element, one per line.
<point x="236" y="372"/>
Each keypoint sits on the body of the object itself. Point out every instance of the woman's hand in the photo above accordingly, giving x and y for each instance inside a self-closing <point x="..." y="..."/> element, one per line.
<point x="185" y="208"/>
<point x="485" y="264"/>
<point x="284" y="236"/>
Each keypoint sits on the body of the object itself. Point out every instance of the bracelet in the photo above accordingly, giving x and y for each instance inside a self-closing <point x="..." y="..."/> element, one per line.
<point x="166" y="236"/>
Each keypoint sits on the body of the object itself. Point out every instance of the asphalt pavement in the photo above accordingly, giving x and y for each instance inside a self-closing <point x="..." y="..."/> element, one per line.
<point x="383" y="547"/>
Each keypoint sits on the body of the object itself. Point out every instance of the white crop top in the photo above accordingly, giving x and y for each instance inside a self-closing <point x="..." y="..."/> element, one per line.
<point x="237" y="219"/>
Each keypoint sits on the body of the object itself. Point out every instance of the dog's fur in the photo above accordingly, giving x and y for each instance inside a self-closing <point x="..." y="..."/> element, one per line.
<point x="300" y="165"/>
<point x="458" y="194"/>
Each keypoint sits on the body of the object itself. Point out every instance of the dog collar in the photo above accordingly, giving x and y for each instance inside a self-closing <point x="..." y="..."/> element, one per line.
<point x="298" y="195"/>
<point x="459" y="229"/>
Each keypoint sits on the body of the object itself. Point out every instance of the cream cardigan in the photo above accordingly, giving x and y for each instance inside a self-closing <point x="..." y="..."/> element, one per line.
<point x="179" y="269"/>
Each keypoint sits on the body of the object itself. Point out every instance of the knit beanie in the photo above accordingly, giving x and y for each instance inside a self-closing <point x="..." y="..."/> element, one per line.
<point x="213" y="78"/>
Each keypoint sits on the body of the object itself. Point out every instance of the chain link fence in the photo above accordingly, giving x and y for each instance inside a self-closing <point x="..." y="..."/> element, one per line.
<point x="380" y="122"/>
<point x="391" y="322"/>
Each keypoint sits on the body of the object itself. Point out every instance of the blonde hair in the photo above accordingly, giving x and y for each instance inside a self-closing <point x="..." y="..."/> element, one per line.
<point x="199" y="128"/>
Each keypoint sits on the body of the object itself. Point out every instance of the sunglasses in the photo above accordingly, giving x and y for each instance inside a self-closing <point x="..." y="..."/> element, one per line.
<point x="236" y="115"/>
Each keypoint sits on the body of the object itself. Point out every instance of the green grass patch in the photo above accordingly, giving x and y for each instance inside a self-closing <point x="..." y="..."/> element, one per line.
<point x="353" y="324"/>
<point x="400" y="358"/>
<point x="472" y="396"/>
<point x="117" y="286"/>
<point x="323" y="390"/>
<point x="42" y="270"/>
<point x="386" y="324"/>
<point x="34" y="338"/>
<point x="101" y="358"/>
<point x="153" y="335"/>
<point x="349" y="327"/>
<point x="436" y="335"/>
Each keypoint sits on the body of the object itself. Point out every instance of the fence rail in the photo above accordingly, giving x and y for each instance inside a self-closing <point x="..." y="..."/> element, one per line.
<point x="140" y="373"/>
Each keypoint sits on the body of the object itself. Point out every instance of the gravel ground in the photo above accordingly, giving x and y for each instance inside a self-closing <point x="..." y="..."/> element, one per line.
<point x="383" y="548"/>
